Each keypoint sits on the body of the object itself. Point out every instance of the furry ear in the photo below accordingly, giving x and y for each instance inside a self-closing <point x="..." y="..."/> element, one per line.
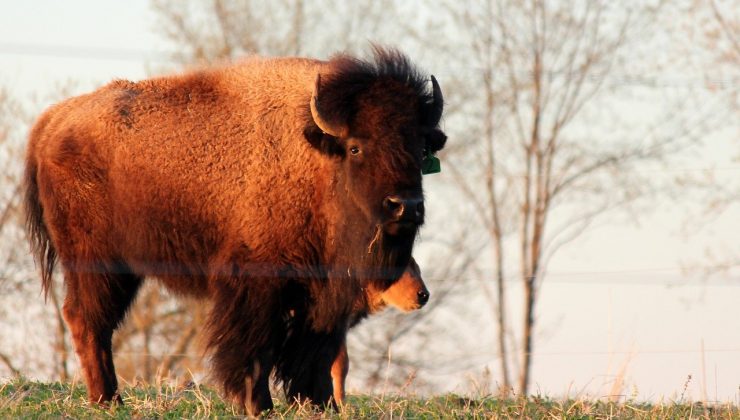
<point x="326" y="144"/>
<point x="435" y="139"/>
<point x="326" y="121"/>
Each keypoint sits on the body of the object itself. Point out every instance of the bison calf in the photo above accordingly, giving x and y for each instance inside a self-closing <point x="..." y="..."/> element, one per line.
<point x="409" y="293"/>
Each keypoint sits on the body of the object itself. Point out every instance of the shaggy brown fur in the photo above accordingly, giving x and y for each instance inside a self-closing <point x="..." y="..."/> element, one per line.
<point x="221" y="184"/>
<point x="409" y="293"/>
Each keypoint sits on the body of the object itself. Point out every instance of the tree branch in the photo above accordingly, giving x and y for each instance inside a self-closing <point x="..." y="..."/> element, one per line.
<point x="6" y="361"/>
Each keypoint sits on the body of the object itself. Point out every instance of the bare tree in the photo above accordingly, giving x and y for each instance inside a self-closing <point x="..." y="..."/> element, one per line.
<point x="217" y="30"/>
<point x="17" y="274"/>
<point x="715" y="25"/>
<point x="725" y="31"/>
<point x="220" y="29"/>
<point x="10" y="199"/>
<point x="541" y="158"/>
<point x="159" y="338"/>
<point x="12" y="287"/>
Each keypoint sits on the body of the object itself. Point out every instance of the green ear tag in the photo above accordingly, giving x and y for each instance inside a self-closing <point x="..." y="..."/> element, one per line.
<point x="430" y="165"/>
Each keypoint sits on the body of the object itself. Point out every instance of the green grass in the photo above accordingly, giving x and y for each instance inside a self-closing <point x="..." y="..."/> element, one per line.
<point x="21" y="398"/>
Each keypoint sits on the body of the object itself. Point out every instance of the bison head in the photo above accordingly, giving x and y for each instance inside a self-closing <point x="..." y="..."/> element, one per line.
<point x="378" y="119"/>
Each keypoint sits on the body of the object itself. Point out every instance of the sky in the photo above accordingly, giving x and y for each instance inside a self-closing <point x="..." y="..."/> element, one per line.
<point x="623" y="296"/>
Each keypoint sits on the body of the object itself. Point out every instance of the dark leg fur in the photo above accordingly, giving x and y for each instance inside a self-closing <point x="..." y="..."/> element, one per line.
<point x="306" y="362"/>
<point x="243" y="335"/>
<point x="94" y="307"/>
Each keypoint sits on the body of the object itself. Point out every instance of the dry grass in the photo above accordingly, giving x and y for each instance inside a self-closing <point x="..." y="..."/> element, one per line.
<point x="28" y="399"/>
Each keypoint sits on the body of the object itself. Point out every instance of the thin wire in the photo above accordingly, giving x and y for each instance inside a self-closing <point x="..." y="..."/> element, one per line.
<point x="88" y="53"/>
<point x="486" y="354"/>
<point x="601" y="282"/>
<point x="598" y="277"/>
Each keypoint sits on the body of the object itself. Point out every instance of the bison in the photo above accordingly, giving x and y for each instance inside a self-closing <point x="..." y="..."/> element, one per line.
<point x="278" y="188"/>
<point x="407" y="294"/>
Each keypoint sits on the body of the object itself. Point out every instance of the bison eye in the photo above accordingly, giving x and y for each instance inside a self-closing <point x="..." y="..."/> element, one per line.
<point x="354" y="150"/>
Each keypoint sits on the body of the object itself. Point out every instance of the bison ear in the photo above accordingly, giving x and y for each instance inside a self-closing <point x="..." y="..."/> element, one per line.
<point x="321" y="112"/>
<point x="323" y="142"/>
<point x="324" y="129"/>
<point x="435" y="139"/>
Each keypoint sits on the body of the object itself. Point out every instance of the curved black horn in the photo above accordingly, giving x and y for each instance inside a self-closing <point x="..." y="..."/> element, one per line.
<point x="333" y="129"/>
<point x="435" y="111"/>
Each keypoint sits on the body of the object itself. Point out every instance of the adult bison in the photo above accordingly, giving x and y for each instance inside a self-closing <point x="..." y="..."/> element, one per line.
<point x="277" y="188"/>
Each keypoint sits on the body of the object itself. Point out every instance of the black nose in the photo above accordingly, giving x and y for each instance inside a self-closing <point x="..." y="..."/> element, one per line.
<point x="423" y="297"/>
<point x="404" y="209"/>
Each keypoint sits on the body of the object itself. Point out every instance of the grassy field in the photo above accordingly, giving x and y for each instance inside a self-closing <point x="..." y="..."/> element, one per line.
<point x="26" y="399"/>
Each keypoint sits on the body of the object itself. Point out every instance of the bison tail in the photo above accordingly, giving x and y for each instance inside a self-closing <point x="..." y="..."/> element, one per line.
<point x="43" y="250"/>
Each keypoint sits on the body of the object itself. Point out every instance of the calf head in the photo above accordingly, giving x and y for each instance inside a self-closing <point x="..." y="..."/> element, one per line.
<point x="407" y="294"/>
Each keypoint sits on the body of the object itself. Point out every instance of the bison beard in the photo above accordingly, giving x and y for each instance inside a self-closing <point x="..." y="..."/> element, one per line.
<point x="251" y="199"/>
<point x="388" y="258"/>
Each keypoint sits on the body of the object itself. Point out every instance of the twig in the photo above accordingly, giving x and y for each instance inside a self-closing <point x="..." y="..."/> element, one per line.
<point x="9" y="364"/>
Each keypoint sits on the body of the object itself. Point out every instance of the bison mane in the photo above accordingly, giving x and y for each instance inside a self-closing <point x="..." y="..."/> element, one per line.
<point x="351" y="76"/>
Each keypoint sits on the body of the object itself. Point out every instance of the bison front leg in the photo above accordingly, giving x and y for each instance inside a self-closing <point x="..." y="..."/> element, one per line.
<point x="243" y="330"/>
<point x="311" y="366"/>
<point x="339" y="371"/>
<point x="93" y="308"/>
<point x="248" y="386"/>
<point x="257" y="384"/>
<point x="321" y="389"/>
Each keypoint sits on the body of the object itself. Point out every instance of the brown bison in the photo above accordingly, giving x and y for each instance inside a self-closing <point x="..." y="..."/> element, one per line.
<point x="277" y="188"/>
<point x="407" y="294"/>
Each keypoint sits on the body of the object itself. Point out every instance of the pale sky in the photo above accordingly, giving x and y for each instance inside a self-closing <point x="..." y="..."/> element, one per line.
<point x="618" y="295"/>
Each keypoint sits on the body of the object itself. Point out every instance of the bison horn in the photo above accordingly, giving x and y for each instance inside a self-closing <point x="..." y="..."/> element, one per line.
<point x="435" y="113"/>
<point x="332" y="129"/>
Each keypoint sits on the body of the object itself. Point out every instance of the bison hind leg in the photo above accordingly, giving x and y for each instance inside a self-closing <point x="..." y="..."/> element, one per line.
<point x="94" y="306"/>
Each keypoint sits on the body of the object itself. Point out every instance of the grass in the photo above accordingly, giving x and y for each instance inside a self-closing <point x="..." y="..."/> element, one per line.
<point x="21" y="398"/>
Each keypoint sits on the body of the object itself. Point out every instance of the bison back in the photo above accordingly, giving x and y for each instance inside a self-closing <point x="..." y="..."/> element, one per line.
<point x="177" y="176"/>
